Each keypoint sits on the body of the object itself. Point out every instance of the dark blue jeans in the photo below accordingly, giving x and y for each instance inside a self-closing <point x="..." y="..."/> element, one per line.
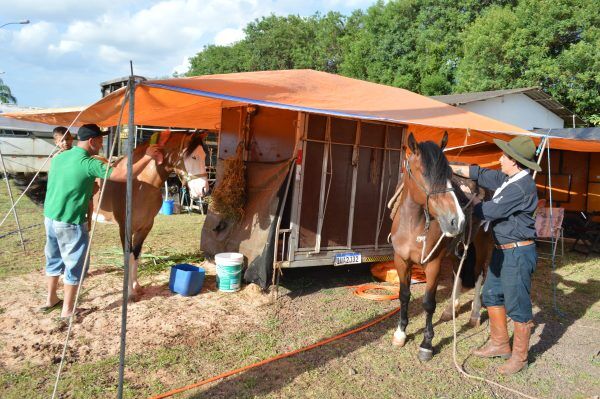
<point x="508" y="281"/>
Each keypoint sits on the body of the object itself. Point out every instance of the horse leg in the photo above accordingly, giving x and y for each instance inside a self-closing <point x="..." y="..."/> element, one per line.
<point x="403" y="269"/>
<point x="135" y="288"/>
<point x="475" y="319"/>
<point x="447" y="315"/>
<point x="484" y="244"/>
<point x="431" y="273"/>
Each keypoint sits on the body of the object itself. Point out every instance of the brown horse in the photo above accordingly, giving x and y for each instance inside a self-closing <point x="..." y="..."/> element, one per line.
<point x="429" y="218"/>
<point x="185" y="155"/>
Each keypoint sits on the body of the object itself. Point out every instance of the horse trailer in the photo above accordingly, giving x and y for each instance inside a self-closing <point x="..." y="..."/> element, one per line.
<point x="325" y="180"/>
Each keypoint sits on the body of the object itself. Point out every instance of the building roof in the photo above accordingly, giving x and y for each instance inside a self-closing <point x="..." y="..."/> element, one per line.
<point x="582" y="133"/>
<point x="534" y="93"/>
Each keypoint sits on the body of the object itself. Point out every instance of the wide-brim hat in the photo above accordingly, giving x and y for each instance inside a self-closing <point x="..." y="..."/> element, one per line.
<point x="521" y="149"/>
<point x="89" y="131"/>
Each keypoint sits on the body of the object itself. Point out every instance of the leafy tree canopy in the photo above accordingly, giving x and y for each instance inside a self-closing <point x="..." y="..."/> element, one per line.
<point x="5" y="94"/>
<point x="434" y="47"/>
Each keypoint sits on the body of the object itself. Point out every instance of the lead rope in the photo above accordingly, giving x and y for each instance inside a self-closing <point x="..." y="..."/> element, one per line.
<point x="454" y="333"/>
<point x="423" y="237"/>
<point x="458" y="367"/>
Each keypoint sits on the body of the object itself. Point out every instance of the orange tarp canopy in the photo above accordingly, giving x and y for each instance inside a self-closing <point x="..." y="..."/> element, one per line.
<point x="196" y="102"/>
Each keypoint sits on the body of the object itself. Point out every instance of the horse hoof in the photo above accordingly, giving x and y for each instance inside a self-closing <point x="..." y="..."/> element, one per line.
<point x="133" y="297"/>
<point x="446" y="316"/>
<point x="425" y="355"/>
<point x="475" y="322"/>
<point x="138" y="289"/>
<point x="399" y="338"/>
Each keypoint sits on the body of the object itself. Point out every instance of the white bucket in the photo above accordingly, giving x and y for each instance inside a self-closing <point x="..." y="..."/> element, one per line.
<point x="229" y="271"/>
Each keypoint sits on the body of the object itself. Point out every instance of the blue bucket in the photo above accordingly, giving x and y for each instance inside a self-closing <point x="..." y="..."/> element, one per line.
<point x="167" y="207"/>
<point x="186" y="279"/>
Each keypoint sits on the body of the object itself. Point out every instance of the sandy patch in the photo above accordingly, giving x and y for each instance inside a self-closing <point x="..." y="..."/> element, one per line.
<point x="158" y="319"/>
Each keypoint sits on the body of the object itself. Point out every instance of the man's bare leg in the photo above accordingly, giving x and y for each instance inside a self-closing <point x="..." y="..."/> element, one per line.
<point x="70" y="292"/>
<point x="52" y="283"/>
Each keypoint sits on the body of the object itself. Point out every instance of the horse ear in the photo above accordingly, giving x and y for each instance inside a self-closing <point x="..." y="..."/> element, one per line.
<point x="412" y="143"/>
<point x="444" y="141"/>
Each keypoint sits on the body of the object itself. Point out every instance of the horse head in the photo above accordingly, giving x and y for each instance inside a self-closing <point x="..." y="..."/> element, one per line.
<point x="185" y="154"/>
<point x="429" y="183"/>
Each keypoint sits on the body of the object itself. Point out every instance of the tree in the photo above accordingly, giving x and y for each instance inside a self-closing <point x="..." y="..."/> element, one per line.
<point x="434" y="47"/>
<point x="414" y="44"/>
<point x="276" y="42"/>
<point x="553" y="44"/>
<point x="220" y="59"/>
<point x="6" y="96"/>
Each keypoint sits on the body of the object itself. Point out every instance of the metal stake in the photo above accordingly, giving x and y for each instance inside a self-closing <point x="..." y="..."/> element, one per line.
<point x="128" y="233"/>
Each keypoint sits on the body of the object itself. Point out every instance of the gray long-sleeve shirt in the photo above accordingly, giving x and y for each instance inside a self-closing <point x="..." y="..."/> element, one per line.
<point x="511" y="212"/>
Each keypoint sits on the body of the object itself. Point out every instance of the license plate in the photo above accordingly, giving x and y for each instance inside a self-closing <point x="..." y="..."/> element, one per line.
<point x="347" y="258"/>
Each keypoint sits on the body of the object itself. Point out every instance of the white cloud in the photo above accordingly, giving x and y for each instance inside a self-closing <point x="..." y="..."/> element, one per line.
<point x="65" y="46"/>
<point x="93" y="40"/>
<point x="228" y="36"/>
<point x="34" y="37"/>
<point x="183" y="67"/>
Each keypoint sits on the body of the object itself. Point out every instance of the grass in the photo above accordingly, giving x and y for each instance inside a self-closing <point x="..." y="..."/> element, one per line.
<point x="317" y="304"/>
<point x="159" y="251"/>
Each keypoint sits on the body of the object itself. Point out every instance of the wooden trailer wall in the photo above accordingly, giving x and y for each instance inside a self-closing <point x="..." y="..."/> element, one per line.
<point x="575" y="180"/>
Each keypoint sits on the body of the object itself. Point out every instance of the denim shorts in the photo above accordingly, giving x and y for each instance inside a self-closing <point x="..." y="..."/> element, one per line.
<point x="508" y="281"/>
<point x="66" y="246"/>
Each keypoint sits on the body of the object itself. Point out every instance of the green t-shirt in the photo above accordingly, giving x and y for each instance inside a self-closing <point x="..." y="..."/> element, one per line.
<point x="70" y="185"/>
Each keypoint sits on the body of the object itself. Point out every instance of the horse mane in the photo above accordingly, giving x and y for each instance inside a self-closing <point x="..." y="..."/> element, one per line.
<point x="436" y="168"/>
<point x="196" y="140"/>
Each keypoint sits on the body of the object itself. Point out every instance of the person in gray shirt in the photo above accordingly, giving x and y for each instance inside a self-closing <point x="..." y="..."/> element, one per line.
<point x="507" y="287"/>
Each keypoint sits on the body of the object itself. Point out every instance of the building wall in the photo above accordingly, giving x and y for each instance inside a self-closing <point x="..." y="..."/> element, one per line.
<point x="518" y="110"/>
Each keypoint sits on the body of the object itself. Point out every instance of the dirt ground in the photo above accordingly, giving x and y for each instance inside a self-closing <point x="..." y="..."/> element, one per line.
<point x="158" y="319"/>
<point x="173" y="341"/>
<point x="313" y="304"/>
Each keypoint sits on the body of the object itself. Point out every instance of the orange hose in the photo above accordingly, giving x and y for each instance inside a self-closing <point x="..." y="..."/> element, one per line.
<point x="282" y="356"/>
<point x="361" y="291"/>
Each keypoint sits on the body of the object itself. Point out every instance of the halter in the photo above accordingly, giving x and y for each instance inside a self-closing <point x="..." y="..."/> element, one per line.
<point x="427" y="195"/>
<point x="179" y="165"/>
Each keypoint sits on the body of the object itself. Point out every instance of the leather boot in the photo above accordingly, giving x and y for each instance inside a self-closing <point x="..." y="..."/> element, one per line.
<point x="518" y="360"/>
<point x="498" y="345"/>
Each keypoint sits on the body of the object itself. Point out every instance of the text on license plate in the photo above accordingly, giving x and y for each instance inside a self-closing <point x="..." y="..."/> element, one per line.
<point x="347" y="258"/>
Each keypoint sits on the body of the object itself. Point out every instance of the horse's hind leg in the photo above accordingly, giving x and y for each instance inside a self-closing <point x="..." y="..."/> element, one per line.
<point x="403" y="269"/>
<point x="431" y="273"/>
<point x="485" y="244"/>
<point x="475" y="319"/>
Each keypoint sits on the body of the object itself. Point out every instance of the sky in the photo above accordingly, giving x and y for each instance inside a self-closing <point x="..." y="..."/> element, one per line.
<point x="70" y="46"/>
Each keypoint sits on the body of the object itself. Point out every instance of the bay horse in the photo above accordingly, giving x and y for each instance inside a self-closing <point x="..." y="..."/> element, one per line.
<point x="184" y="154"/>
<point x="428" y="219"/>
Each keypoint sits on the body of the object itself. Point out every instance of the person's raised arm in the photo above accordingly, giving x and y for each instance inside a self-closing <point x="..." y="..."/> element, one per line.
<point x="152" y="152"/>
<point x="461" y="170"/>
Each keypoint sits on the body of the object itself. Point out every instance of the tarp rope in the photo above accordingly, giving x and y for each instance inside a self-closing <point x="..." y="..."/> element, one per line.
<point x="39" y="170"/>
<point x="553" y="241"/>
<point x="87" y="254"/>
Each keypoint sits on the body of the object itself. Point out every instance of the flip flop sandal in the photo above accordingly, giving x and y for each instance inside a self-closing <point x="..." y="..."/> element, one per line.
<point x="48" y="309"/>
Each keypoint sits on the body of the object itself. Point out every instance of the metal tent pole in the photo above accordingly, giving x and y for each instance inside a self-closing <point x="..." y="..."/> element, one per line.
<point x="128" y="209"/>
<point x="14" y="210"/>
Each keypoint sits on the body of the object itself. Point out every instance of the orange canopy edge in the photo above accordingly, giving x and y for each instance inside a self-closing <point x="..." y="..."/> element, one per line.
<point x="196" y="102"/>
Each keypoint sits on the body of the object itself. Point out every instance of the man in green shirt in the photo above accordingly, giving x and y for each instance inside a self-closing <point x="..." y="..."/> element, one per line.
<point x="70" y="185"/>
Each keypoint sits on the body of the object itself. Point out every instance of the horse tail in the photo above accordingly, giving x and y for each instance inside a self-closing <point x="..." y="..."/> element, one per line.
<point x="467" y="273"/>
